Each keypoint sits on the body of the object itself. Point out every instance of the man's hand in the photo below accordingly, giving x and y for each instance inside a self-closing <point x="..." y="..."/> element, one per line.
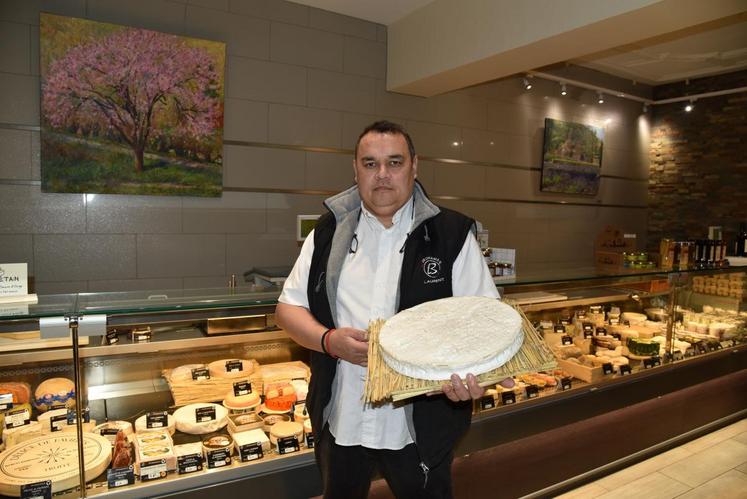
<point x="456" y="391"/>
<point x="349" y="344"/>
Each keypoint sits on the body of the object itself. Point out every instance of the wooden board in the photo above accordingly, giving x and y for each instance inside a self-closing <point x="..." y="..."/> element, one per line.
<point x="534" y="297"/>
<point x="585" y="373"/>
<point x="52" y="457"/>
<point x="30" y="340"/>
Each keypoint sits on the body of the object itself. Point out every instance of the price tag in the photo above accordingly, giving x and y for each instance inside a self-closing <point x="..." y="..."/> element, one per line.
<point x="38" y="490"/>
<point x="588" y="333"/>
<point x="57" y="421"/>
<point x="617" y="336"/>
<point x="242" y="388"/>
<point x="251" y="452"/>
<point x="111" y="337"/>
<point x="702" y="348"/>
<point x="532" y="391"/>
<point x="677" y="355"/>
<point x="626" y="323"/>
<point x="119" y="477"/>
<point x="153" y="470"/>
<point x="203" y="414"/>
<point x="566" y="340"/>
<point x="6" y="401"/>
<point x="200" y="373"/>
<point x="508" y="398"/>
<point x="218" y="458"/>
<point x="648" y="363"/>
<point x="614" y="321"/>
<point x="309" y="440"/>
<point x="487" y="402"/>
<point x="141" y="335"/>
<point x="189" y="463"/>
<point x="109" y="433"/>
<point x="581" y="315"/>
<point x="559" y="328"/>
<point x="596" y="309"/>
<point x="234" y="366"/>
<point x="566" y="321"/>
<point x="625" y="370"/>
<point x="601" y="331"/>
<point x="16" y="418"/>
<point x="607" y="368"/>
<point x="287" y="445"/>
<point x="565" y="384"/>
<point x="71" y="416"/>
<point x="656" y="360"/>
<point x="157" y="419"/>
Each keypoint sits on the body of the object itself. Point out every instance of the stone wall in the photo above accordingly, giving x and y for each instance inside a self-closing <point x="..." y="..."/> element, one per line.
<point x="698" y="163"/>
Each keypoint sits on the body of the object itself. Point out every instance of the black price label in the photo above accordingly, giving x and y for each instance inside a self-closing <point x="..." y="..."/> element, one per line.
<point x="203" y="414"/>
<point x="581" y="315"/>
<point x="626" y="323"/>
<point x="218" y="458"/>
<point x="71" y="416"/>
<point x="157" y="419"/>
<point x="677" y="355"/>
<point x="234" y="366"/>
<point x="617" y="336"/>
<point x="138" y="336"/>
<point x="242" y="388"/>
<point x="189" y="463"/>
<point x="648" y="363"/>
<point x="56" y="422"/>
<point x="287" y="445"/>
<point x="559" y="328"/>
<point x="17" y="417"/>
<point x="588" y="326"/>
<point x="200" y="373"/>
<point x="508" y="398"/>
<point x="112" y="337"/>
<point x="607" y="368"/>
<point x="565" y="383"/>
<point x="601" y="331"/>
<point x="588" y="333"/>
<point x="656" y="360"/>
<point x="532" y="391"/>
<point x="487" y="402"/>
<point x="625" y="370"/>
<point x="119" y="477"/>
<point x="38" y="490"/>
<point x="566" y="340"/>
<point x="614" y="321"/>
<point x="702" y="348"/>
<point x="310" y="440"/>
<point x="566" y="321"/>
<point x="6" y="401"/>
<point x="251" y="452"/>
<point x="153" y="470"/>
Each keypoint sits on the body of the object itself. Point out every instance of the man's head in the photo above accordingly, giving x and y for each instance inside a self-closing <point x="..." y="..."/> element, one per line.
<point x="385" y="168"/>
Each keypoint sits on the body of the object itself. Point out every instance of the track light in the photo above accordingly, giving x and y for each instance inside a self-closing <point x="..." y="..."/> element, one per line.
<point x="601" y="97"/>
<point x="527" y="82"/>
<point x="690" y="106"/>
<point x="563" y="91"/>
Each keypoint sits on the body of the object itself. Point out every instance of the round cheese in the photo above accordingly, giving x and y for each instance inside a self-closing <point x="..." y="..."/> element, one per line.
<point x="186" y="419"/>
<point x="241" y="402"/>
<point x="141" y="425"/>
<point x="52" y="457"/>
<point x="280" y="397"/>
<point x="218" y="368"/>
<point x="183" y="373"/>
<point x="465" y="334"/>
<point x="283" y="429"/>
<point x="54" y="391"/>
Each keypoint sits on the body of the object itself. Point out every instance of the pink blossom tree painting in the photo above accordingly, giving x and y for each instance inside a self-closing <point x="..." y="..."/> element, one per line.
<point x="128" y="110"/>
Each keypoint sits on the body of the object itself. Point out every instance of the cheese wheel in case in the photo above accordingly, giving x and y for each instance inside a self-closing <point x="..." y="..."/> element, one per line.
<point x="141" y="425"/>
<point x="241" y="402"/>
<point x="186" y="419"/>
<point x="284" y="429"/>
<point x="54" y="391"/>
<point x="219" y="368"/>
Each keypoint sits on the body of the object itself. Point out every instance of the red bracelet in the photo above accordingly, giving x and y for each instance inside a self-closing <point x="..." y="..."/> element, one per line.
<point x="326" y="343"/>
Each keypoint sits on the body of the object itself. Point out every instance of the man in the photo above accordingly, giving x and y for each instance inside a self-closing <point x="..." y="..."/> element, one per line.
<point x="383" y="247"/>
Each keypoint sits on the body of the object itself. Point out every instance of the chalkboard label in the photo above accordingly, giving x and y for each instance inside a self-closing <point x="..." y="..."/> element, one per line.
<point x="601" y="331"/>
<point x="111" y="337"/>
<point x="58" y="421"/>
<point x="309" y="440"/>
<point x="234" y="366"/>
<point x="38" y="490"/>
<point x="200" y="373"/>
<point x="607" y="368"/>
<point x="218" y="458"/>
<point x="559" y="328"/>
<point x="565" y="383"/>
<point x="251" y="452"/>
<point x="157" y="420"/>
<point x="487" y="402"/>
<point x="532" y="391"/>
<point x="625" y="370"/>
<point x="508" y="398"/>
<point x="120" y="477"/>
<point x="242" y="388"/>
<point x="189" y="463"/>
<point x="287" y="445"/>
<point x="203" y="414"/>
<point x="71" y="416"/>
<point x="617" y="336"/>
<point x="17" y="417"/>
<point x="588" y="333"/>
<point x="566" y="340"/>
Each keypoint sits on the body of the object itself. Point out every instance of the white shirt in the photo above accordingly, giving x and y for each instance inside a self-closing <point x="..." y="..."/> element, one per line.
<point x="367" y="290"/>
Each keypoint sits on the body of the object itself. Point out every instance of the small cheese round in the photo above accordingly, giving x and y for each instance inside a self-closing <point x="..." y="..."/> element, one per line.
<point x="141" y="424"/>
<point x="280" y="397"/>
<point x="241" y="402"/>
<point x="283" y="429"/>
<point x="54" y="391"/>
<point x="218" y="368"/>
<point x="463" y="334"/>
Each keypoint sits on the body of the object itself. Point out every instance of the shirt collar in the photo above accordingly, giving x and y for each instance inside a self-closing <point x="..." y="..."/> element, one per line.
<point x="404" y="213"/>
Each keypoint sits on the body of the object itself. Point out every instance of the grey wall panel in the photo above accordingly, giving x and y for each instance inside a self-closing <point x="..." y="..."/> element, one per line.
<point x="72" y="257"/>
<point x="133" y="214"/>
<point x="276" y="10"/>
<point x="283" y="208"/>
<point x="27" y="210"/>
<point x="255" y="167"/>
<point x="244" y="36"/>
<point x="15" y="47"/>
<point x="265" y="81"/>
<point x="247" y="251"/>
<point x="296" y="125"/>
<point x="15" y="154"/>
<point x="329" y="90"/>
<point x="159" y="16"/>
<point x="19" y="99"/>
<point x="346" y="25"/>
<point x="328" y="171"/>
<point x="17" y="248"/>
<point x="459" y="180"/>
<point x="245" y="120"/>
<point x="235" y="212"/>
<point x="440" y="141"/>
<point x="117" y="285"/>
<point x="308" y="47"/>
<point x="364" y="57"/>
<point x="180" y="255"/>
<point x="24" y="11"/>
<point x="461" y="109"/>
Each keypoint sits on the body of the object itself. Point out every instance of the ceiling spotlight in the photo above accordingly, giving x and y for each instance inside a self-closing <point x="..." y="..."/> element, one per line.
<point x="527" y="84"/>
<point x="563" y="91"/>
<point x="601" y="97"/>
<point x="690" y="106"/>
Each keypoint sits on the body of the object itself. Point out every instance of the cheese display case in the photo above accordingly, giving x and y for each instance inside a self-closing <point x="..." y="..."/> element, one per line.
<point x="187" y="390"/>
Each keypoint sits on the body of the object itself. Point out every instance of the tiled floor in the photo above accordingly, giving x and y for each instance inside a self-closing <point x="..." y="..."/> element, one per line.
<point x="712" y="466"/>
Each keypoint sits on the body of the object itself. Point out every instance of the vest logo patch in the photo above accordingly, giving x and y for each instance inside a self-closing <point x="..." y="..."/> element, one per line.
<point x="432" y="269"/>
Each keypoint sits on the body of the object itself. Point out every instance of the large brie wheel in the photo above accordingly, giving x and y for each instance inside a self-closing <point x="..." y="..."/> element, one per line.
<point x="52" y="457"/>
<point x="463" y="334"/>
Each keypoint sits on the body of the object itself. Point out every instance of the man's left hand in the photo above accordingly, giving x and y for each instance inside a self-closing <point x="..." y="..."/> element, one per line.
<point x="456" y="391"/>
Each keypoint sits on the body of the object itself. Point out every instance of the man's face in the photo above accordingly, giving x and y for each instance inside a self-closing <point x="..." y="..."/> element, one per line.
<point x="385" y="173"/>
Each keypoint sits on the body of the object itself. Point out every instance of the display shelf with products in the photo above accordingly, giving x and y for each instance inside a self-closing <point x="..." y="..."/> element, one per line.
<point x="160" y="346"/>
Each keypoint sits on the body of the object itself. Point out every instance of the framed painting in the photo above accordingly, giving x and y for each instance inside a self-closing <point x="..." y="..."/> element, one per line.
<point x="129" y="111"/>
<point x="571" y="158"/>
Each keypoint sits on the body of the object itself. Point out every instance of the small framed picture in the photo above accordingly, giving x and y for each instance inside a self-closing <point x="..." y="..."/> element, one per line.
<point x="304" y="225"/>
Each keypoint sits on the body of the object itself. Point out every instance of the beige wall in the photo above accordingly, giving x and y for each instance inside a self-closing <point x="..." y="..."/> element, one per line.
<point x="297" y="78"/>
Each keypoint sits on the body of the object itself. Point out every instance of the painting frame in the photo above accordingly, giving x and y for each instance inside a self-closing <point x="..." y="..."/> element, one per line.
<point x="571" y="158"/>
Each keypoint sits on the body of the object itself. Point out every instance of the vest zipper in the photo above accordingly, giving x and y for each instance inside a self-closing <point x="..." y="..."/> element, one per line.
<point x="425" y="469"/>
<point x="319" y="282"/>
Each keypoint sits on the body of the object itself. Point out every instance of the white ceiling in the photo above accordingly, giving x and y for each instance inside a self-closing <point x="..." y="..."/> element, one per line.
<point x="711" y="48"/>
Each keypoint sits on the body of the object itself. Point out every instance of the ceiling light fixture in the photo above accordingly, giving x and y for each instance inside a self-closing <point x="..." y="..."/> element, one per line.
<point x="527" y="84"/>
<point x="563" y="90"/>
<point x="601" y="98"/>
<point x="690" y="106"/>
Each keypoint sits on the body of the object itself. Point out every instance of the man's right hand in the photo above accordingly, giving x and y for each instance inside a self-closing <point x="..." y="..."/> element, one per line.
<point x="349" y="344"/>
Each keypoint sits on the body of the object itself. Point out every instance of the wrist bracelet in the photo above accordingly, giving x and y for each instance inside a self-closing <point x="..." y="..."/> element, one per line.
<point x="325" y="342"/>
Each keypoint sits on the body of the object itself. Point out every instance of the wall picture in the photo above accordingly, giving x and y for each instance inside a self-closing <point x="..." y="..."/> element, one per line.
<point x="129" y="111"/>
<point x="571" y="158"/>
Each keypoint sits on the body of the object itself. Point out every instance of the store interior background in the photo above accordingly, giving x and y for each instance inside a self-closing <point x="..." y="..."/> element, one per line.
<point x="299" y="78"/>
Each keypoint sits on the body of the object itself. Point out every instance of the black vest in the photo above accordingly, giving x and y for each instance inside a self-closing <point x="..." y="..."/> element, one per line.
<point x="430" y="252"/>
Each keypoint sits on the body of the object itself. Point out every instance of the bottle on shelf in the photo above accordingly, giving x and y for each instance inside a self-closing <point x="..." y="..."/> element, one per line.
<point x="740" y="245"/>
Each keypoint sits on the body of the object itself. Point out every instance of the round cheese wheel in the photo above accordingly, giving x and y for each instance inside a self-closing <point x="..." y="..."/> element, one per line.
<point x="217" y="442"/>
<point x="283" y="429"/>
<point x="218" y="369"/>
<point x="270" y="420"/>
<point x="300" y="413"/>
<point x="462" y="334"/>
<point x="280" y="397"/>
<point x="52" y="457"/>
<point x="183" y="373"/>
<point x="141" y="425"/>
<point x="54" y="391"/>
<point x="186" y="419"/>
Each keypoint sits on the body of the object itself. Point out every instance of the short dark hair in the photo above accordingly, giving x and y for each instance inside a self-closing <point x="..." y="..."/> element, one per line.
<point x="387" y="127"/>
